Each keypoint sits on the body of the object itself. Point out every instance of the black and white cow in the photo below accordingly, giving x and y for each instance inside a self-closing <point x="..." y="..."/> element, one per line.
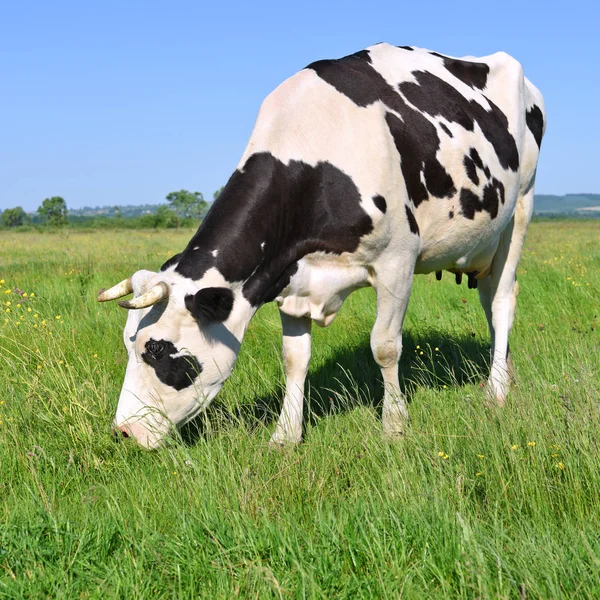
<point x="359" y="171"/>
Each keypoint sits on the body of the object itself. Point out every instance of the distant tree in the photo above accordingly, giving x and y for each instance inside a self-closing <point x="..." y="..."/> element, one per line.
<point x="217" y="192"/>
<point x="163" y="217"/>
<point x="187" y="204"/>
<point x="117" y="211"/>
<point x="54" y="210"/>
<point x="14" y="217"/>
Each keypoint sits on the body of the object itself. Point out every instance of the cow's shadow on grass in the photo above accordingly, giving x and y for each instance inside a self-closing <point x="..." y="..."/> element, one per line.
<point x="351" y="378"/>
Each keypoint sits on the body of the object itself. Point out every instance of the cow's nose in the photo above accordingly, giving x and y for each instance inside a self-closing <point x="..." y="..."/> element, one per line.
<point x="121" y="432"/>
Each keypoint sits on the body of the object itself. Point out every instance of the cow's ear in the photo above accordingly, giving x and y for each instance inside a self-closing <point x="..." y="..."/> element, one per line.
<point x="210" y="305"/>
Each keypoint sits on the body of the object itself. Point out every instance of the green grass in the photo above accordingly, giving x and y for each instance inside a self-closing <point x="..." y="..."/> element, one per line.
<point x="512" y="512"/>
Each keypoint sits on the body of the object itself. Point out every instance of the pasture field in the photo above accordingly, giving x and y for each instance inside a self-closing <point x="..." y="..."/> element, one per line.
<point x="471" y="503"/>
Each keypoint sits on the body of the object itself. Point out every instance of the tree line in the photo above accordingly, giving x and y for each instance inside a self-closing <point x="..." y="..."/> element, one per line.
<point x="184" y="209"/>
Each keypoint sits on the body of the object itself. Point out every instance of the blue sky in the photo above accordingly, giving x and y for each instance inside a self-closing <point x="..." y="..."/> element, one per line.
<point x="122" y="102"/>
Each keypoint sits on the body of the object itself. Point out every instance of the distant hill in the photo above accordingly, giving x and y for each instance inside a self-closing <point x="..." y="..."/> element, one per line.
<point x="110" y="211"/>
<point x="583" y="205"/>
<point x="571" y="203"/>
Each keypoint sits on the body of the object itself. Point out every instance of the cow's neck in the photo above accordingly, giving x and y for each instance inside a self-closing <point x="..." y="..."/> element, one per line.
<point x="248" y="237"/>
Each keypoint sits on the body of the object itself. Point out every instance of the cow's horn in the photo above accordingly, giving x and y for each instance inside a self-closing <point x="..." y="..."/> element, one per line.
<point x="159" y="292"/>
<point x="116" y="291"/>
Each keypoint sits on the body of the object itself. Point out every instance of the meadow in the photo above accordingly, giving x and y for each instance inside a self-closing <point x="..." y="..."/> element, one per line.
<point x="472" y="503"/>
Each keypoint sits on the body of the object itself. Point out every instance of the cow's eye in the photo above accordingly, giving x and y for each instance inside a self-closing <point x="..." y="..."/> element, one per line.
<point x="155" y="349"/>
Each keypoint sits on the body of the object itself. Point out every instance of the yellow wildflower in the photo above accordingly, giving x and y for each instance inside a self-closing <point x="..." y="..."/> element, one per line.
<point x="29" y="309"/>
<point x="31" y="295"/>
<point x="18" y="305"/>
<point x="531" y="444"/>
<point x="35" y="316"/>
<point x="39" y="367"/>
<point x="560" y="466"/>
<point x="515" y="446"/>
<point x="480" y="456"/>
<point x="25" y="295"/>
<point x="478" y="474"/>
<point x="7" y="310"/>
<point x="58" y="317"/>
<point x="1" y="281"/>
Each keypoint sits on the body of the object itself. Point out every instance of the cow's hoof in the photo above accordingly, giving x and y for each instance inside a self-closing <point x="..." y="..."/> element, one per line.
<point x="393" y="434"/>
<point x="495" y="396"/>
<point x="394" y="420"/>
<point x="394" y="426"/>
<point x="281" y="442"/>
<point x="394" y="431"/>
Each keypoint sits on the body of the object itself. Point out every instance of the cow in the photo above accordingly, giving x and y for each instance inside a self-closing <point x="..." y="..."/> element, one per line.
<point x="360" y="171"/>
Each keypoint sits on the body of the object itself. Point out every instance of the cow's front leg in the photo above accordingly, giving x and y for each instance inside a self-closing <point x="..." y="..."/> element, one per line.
<point x="386" y="344"/>
<point x="296" y="356"/>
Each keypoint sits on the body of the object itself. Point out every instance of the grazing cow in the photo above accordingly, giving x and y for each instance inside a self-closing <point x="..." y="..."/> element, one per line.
<point x="359" y="171"/>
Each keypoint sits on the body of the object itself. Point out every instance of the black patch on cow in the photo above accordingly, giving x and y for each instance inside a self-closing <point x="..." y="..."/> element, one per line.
<point x="474" y="155"/>
<point x="354" y="77"/>
<point x="295" y="209"/>
<point x="535" y="122"/>
<point x="446" y="130"/>
<point x="474" y="74"/>
<point x="210" y="305"/>
<point x="412" y="222"/>
<point x="435" y="96"/>
<point x="490" y="200"/>
<point x="177" y="372"/>
<point x="451" y="214"/>
<point x="417" y="143"/>
<point x="471" y="169"/>
<point x="406" y="48"/>
<point x="469" y="203"/>
<point x="493" y="195"/>
<point x="172" y="261"/>
<point x="380" y="203"/>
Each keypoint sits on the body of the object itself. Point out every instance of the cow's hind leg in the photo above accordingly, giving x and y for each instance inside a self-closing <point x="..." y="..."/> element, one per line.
<point x="393" y="293"/>
<point x="485" y="296"/>
<point x="501" y="297"/>
<point x="296" y="356"/>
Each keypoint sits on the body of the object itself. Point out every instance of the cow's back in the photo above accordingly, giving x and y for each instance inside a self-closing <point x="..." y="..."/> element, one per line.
<point x="452" y="142"/>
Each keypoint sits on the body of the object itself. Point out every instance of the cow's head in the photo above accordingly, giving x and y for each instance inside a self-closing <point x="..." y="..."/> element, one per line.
<point x="182" y="341"/>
